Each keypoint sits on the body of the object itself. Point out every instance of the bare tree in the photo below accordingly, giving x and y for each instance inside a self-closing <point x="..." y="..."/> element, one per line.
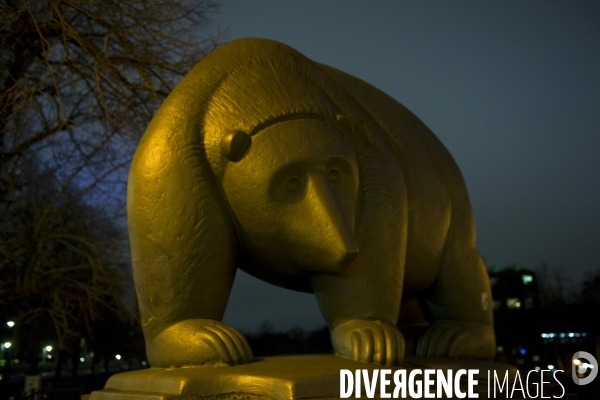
<point x="79" y="83"/>
<point x="554" y="282"/>
<point x="590" y="292"/>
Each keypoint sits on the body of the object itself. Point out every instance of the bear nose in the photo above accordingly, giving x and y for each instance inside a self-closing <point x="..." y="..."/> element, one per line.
<point x="334" y="236"/>
<point x="351" y="254"/>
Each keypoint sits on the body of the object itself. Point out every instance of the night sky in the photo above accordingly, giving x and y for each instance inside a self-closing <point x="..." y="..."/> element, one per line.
<point x="511" y="88"/>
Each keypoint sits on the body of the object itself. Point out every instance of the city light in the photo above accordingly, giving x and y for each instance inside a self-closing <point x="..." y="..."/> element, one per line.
<point x="576" y="361"/>
<point x="48" y="348"/>
<point x="10" y="324"/>
<point x="513" y="302"/>
<point x="82" y="359"/>
<point x="563" y="335"/>
<point x="118" y="356"/>
<point x="550" y="366"/>
<point x="7" y="345"/>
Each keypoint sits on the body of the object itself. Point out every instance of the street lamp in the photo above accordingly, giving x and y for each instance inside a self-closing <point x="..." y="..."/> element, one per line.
<point x="46" y="350"/>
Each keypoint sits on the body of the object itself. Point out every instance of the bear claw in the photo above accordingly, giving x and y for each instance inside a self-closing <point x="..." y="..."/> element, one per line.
<point x="369" y="341"/>
<point x="198" y="342"/>
<point x="457" y="340"/>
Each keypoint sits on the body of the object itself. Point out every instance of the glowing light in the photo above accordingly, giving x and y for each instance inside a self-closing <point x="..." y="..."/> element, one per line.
<point x="522" y="351"/>
<point x="49" y="357"/>
<point x="118" y="356"/>
<point x="527" y="279"/>
<point x="48" y="348"/>
<point x="10" y="324"/>
<point x="571" y="334"/>
<point x="576" y="361"/>
<point x="582" y="368"/>
<point x="550" y="366"/>
<point x="513" y="302"/>
<point x="7" y="345"/>
<point x="82" y="359"/>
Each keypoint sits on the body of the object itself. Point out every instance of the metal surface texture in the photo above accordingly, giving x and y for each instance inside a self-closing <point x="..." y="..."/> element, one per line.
<point x="310" y="179"/>
<point x="277" y="378"/>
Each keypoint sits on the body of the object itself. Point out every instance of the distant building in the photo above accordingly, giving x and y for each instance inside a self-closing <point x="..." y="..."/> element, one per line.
<point x="532" y="335"/>
<point x="514" y="288"/>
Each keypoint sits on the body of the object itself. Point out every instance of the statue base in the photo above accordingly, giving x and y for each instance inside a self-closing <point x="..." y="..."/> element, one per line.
<point x="281" y="378"/>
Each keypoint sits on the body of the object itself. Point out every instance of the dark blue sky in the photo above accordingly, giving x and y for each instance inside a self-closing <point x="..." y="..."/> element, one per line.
<point x="511" y="88"/>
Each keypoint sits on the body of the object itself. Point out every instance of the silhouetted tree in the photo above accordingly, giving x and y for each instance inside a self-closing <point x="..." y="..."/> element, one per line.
<point x="555" y="284"/>
<point x="590" y="291"/>
<point x="79" y="83"/>
<point x="268" y="342"/>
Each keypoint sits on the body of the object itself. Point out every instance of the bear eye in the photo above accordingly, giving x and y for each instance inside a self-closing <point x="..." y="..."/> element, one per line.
<point x="293" y="185"/>
<point x="334" y="176"/>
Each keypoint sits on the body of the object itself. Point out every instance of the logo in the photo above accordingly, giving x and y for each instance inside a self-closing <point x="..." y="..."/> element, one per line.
<point x="584" y="364"/>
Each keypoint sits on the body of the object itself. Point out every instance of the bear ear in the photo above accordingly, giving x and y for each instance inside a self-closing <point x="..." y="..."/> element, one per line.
<point x="235" y="145"/>
<point x="344" y="123"/>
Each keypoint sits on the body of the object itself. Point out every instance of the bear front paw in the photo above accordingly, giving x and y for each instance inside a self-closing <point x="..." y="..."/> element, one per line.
<point x="198" y="342"/>
<point x="456" y="339"/>
<point x="369" y="341"/>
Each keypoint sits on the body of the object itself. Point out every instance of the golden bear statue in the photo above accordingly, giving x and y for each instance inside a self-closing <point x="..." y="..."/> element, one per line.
<point x="310" y="179"/>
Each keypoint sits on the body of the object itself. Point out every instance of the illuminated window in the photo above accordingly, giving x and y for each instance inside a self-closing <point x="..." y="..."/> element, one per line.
<point x="527" y="279"/>
<point x="513" y="302"/>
